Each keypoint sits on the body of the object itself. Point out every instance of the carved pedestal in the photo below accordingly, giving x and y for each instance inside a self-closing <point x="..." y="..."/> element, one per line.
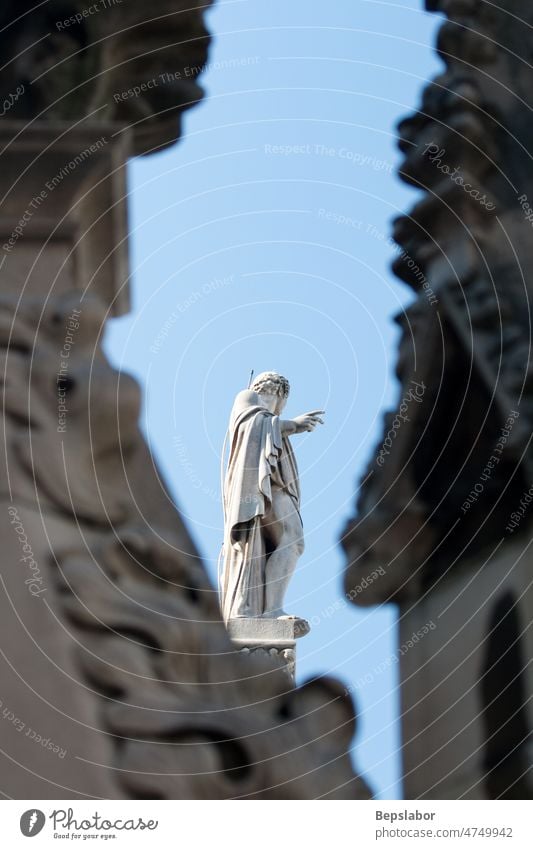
<point x="275" y="638"/>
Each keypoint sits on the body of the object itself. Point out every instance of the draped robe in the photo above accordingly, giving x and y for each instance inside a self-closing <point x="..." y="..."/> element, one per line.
<point x="261" y="461"/>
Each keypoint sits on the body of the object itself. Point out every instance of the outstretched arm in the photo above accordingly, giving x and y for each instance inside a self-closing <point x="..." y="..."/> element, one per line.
<point x="301" y="424"/>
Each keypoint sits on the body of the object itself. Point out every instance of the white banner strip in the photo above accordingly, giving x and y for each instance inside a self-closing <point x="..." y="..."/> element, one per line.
<point x="255" y="824"/>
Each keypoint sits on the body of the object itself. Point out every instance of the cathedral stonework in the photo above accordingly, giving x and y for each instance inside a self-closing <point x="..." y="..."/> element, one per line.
<point x="115" y="655"/>
<point x="442" y="508"/>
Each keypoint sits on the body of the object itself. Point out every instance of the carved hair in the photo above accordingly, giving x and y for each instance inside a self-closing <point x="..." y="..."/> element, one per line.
<point x="271" y="383"/>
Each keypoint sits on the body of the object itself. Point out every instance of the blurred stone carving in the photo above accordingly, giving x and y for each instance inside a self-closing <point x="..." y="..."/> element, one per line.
<point x="114" y="65"/>
<point x="438" y="494"/>
<point x="152" y="647"/>
<point x="114" y="649"/>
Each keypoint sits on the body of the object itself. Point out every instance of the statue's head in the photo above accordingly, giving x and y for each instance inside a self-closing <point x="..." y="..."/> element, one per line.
<point x="273" y="389"/>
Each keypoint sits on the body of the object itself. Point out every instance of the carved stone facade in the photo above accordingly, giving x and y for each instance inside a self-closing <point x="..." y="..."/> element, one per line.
<point x="119" y="679"/>
<point x="436" y="505"/>
<point x="105" y="62"/>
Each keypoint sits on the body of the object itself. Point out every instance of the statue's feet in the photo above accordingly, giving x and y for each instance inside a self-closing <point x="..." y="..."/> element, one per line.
<point x="301" y="626"/>
<point x="278" y="613"/>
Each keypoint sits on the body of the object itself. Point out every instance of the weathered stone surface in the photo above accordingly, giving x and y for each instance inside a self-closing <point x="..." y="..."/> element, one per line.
<point x="465" y="682"/>
<point x="465" y="344"/>
<point x="113" y="646"/>
<point x="273" y="637"/>
<point x="441" y="495"/>
<point x="272" y="631"/>
<point x="126" y="62"/>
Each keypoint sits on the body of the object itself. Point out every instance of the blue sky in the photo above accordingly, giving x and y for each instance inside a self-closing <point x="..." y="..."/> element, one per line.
<point x="261" y="242"/>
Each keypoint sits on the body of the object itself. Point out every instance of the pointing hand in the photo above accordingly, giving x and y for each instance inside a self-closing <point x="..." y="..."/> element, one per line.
<point x="308" y="421"/>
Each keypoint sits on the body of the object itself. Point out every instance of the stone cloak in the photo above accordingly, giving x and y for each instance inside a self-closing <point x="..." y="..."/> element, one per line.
<point x="260" y="458"/>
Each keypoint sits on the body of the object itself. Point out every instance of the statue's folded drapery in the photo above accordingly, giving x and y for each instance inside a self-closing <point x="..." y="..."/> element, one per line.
<point x="260" y="459"/>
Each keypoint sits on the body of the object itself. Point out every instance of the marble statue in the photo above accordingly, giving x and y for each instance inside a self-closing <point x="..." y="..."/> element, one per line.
<point x="263" y="531"/>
